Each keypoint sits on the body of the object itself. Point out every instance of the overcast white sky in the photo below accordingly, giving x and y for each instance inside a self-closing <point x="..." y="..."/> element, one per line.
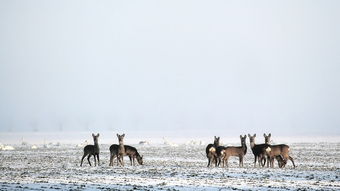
<point x="198" y="66"/>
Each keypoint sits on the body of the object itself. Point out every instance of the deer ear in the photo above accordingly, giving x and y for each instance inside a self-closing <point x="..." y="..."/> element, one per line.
<point x="241" y="136"/>
<point x="245" y="136"/>
<point x="117" y="135"/>
<point x="249" y="135"/>
<point x="98" y="135"/>
<point x="264" y="135"/>
<point x="255" y="135"/>
<point x="270" y="135"/>
<point x="92" y="134"/>
<point x="123" y="135"/>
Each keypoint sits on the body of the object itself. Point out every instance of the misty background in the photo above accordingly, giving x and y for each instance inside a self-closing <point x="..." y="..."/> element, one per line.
<point x="180" y="67"/>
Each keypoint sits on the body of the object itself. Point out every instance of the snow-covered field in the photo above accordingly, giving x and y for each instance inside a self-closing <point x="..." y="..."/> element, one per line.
<point x="166" y="167"/>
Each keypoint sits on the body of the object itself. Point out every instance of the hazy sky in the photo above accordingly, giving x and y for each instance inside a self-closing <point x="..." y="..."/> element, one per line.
<point x="199" y="66"/>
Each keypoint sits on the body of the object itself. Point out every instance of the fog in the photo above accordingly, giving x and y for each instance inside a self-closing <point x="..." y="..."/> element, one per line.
<point x="186" y="67"/>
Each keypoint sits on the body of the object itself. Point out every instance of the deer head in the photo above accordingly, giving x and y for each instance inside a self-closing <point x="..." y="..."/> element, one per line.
<point x="243" y="139"/>
<point x="252" y="139"/>
<point x="267" y="138"/>
<point x="216" y="141"/>
<point x="95" y="138"/>
<point x="120" y="138"/>
<point x="140" y="159"/>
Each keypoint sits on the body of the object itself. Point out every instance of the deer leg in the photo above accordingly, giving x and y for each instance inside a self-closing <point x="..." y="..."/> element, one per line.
<point x="121" y="159"/>
<point x="95" y="160"/>
<point x="119" y="162"/>
<point x="88" y="159"/>
<point x="260" y="159"/>
<point x="240" y="161"/>
<point x="208" y="161"/>
<point x="130" y="160"/>
<point x="255" y="158"/>
<point x="291" y="159"/>
<point x="264" y="160"/>
<point x="98" y="159"/>
<point x="111" y="160"/>
<point x="268" y="161"/>
<point x="81" y="163"/>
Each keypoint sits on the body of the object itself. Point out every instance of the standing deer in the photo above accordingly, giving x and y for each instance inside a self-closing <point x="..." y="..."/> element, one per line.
<point x="259" y="151"/>
<point x="211" y="151"/>
<point x="129" y="151"/>
<point x="227" y="152"/>
<point x="91" y="150"/>
<point x="274" y="150"/>
<point x="121" y="149"/>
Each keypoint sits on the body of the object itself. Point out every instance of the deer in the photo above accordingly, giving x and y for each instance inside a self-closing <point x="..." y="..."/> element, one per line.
<point x="274" y="150"/>
<point x="90" y="150"/>
<point x="259" y="151"/>
<point x="211" y="151"/>
<point x="121" y="149"/>
<point x="129" y="151"/>
<point x="225" y="152"/>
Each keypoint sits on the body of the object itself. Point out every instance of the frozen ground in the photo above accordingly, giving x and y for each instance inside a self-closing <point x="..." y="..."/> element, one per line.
<point x="182" y="167"/>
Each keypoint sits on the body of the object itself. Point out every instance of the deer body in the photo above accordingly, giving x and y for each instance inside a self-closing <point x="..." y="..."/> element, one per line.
<point x="274" y="151"/>
<point x="210" y="151"/>
<point x="129" y="151"/>
<point x="90" y="150"/>
<point x="225" y="152"/>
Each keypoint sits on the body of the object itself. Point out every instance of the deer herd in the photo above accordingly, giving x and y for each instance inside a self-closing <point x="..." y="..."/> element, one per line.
<point x="263" y="153"/>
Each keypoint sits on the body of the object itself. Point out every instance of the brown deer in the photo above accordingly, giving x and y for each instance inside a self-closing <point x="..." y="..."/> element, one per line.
<point x="121" y="149"/>
<point x="91" y="150"/>
<point x="211" y="151"/>
<point x="129" y="151"/>
<point x="276" y="150"/>
<point x="227" y="152"/>
<point x="259" y="151"/>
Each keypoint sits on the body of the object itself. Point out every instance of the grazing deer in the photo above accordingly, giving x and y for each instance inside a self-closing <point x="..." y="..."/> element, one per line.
<point x="259" y="151"/>
<point x="129" y="151"/>
<point x="121" y="149"/>
<point x="227" y="152"/>
<point x="281" y="161"/>
<point x="275" y="150"/>
<point x="91" y="150"/>
<point x="211" y="151"/>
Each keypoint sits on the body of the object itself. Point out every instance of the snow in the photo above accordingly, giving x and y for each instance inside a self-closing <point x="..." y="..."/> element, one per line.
<point x="181" y="167"/>
<point x="6" y="147"/>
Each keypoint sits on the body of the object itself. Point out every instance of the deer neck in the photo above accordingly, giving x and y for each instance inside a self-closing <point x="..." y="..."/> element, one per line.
<point x="244" y="148"/>
<point x="252" y="144"/>
<point x="121" y="146"/>
<point x="96" y="144"/>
